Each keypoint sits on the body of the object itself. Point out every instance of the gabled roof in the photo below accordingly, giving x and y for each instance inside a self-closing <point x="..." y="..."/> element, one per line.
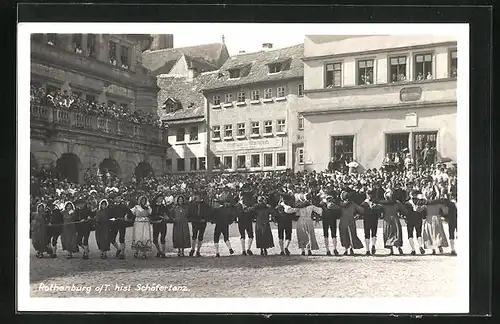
<point x="187" y="92"/>
<point x="165" y="59"/>
<point x="259" y="70"/>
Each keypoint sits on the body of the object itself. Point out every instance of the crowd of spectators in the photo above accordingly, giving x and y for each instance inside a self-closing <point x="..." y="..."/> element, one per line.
<point x="48" y="186"/>
<point x="61" y="99"/>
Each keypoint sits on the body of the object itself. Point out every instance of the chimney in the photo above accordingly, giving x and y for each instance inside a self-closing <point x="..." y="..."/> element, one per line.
<point x="267" y="46"/>
<point x="162" y="41"/>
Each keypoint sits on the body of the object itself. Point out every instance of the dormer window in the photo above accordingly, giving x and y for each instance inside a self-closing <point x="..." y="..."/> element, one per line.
<point x="234" y="74"/>
<point x="171" y="105"/>
<point x="275" y="68"/>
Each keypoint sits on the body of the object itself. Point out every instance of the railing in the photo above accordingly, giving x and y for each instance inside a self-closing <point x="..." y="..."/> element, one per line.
<point x="104" y="125"/>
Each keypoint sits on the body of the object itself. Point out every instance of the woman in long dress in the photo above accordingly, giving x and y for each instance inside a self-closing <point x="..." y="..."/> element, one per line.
<point x="69" y="234"/>
<point x="392" y="231"/>
<point x="305" y="226"/>
<point x="141" y="235"/>
<point x="102" y="228"/>
<point x="39" y="237"/>
<point x="433" y="232"/>
<point x="263" y="233"/>
<point x="347" y="225"/>
<point x="180" y="234"/>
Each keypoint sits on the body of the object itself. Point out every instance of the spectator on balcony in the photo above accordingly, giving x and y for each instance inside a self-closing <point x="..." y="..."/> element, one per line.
<point x="429" y="76"/>
<point x="420" y="76"/>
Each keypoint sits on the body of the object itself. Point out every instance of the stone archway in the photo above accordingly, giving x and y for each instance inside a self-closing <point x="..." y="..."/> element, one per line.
<point x="142" y="170"/>
<point x="70" y="167"/>
<point x="110" y="165"/>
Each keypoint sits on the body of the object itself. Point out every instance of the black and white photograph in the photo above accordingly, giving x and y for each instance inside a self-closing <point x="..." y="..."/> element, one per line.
<point x="249" y="167"/>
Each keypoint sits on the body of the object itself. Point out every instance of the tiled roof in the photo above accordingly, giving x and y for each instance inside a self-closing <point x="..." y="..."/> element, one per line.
<point x="187" y="92"/>
<point x="164" y="59"/>
<point x="259" y="71"/>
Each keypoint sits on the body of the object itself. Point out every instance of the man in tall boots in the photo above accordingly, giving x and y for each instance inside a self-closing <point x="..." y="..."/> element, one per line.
<point x="198" y="213"/>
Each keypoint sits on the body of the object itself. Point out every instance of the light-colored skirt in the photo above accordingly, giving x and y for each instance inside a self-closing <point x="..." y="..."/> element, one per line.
<point x="433" y="233"/>
<point x="141" y="235"/>
<point x="305" y="233"/>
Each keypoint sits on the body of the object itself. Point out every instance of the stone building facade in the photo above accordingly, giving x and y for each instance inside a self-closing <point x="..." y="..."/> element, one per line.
<point x="371" y="96"/>
<point x="99" y="68"/>
<point x="252" y="126"/>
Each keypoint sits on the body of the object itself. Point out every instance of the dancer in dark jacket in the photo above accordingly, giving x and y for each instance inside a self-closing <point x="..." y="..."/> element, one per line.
<point x="198" y="213"/>
<point x="331" y="212"/>
<point x="222" y="218"/>
<point x="416" y="212"/>
<point x="371" y="215"/>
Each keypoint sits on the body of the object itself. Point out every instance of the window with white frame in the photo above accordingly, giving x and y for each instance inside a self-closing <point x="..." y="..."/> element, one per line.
<point x="280" y="126"/>
<point x="423" y="67"/>
<point x="268" y="127"/>
<point x="181" y="165"/>
<point x="228" y="162"/>
<point x="241" y="97"/>
<point x="241" y="129"/>
<point x="268" y="160"/>
<point x="255" y="94"/>
<point x="180" y="134"/>
<point x="91" y="45"/>
<point x="300" y="153"/>
<point x="268" y="93"/>
<point x="301" y="122"/>
<point x="234" y="73"/>
<point x="216" y="100"/>
<point x="202" y="163"/>
<point x="300" y="90"/>
<point x="255" y="128"/>
<point x="124" y="57"/>
<point x="193" y="134"/>
<point x="217" y="163"/>
<point x="343" y="146"/>
<point x="240" y="161"/>
<point x="228" y="98"/>
<point x="333" y="75"/>
<point x="280" y="92"/>
<point x="255" y="160"/>
<point x="275" y="67"/>
<point x="365" y="72"/>
<point x="453" y="64"/>
<point x="192" y="164"/>
<point x="397" y="69"/>
<point x="216" y="131"/>
<point x="112" y="52"/>
<point x="281" y="159"/>
<point x="228" y="131"/>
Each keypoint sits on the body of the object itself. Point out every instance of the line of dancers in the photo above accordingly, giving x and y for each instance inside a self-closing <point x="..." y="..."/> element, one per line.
<point x="110" y="218"/>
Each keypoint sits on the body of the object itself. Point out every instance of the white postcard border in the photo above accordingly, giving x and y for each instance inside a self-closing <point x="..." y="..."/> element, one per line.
<point x="459" y="304"/>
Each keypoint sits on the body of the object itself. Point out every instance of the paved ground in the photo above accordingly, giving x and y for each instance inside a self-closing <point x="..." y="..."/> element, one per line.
<point x="255" y="276"/>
